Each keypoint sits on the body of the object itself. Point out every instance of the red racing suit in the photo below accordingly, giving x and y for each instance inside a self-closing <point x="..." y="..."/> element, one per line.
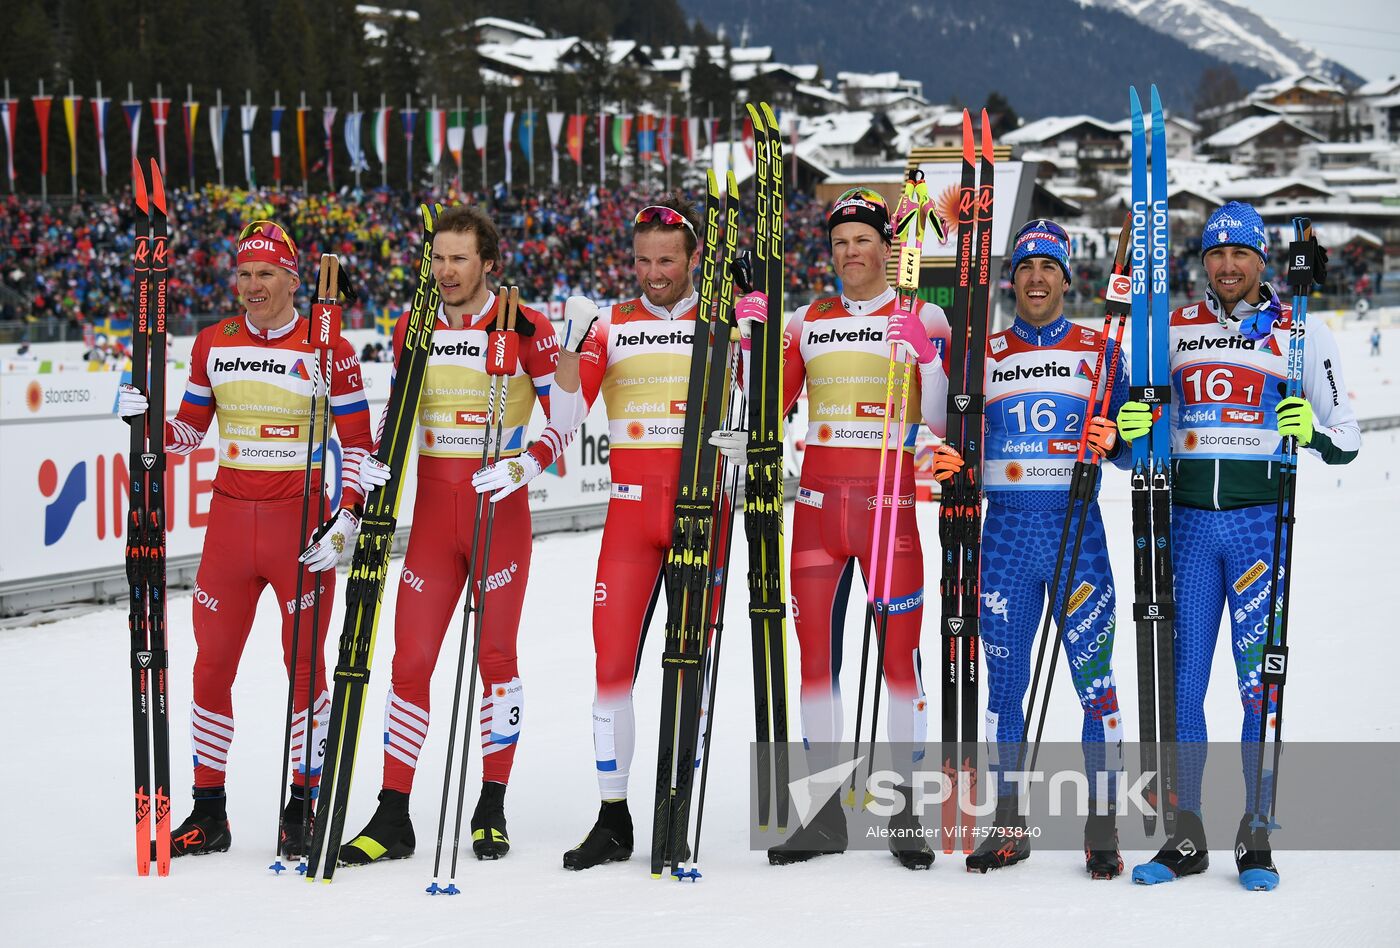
<point x="638" y="357"/>
<point x="259" y="386"/>
<point x="836" y="347"/>
<point x="451" y="422"/>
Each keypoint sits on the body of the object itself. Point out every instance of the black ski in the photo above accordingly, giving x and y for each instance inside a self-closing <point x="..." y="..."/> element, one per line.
<point x="960" y="510"/>
<point x="763" y="482"/>
<point x="370" y="567"/>
<point x="145" y="540"/>
<point x="690" y="566"/>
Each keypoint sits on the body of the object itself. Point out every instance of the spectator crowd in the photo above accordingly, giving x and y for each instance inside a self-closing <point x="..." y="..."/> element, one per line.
<point x="73" y="261"/>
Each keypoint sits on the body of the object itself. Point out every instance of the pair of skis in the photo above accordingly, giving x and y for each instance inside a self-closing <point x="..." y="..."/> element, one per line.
<point x="960" y="509"/>
<point x="763" y="481"/>
<point x="323" y="334"/>
<point x="1153" y="606"/>
<point x="692" y="568"/>
<point x="1302" y="258"/>
<point x="370" y="567"/>
<point x="502" y="358"/>
<point x="145" y="532"/>
<point x="1083" y="486"/>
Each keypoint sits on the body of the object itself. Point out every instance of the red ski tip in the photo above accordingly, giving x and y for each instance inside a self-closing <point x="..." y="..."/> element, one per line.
<point x="138" y="186"/>
<point x="967" y="137"/>
<point x="987" y="138"/>
<point x="157" y="187"/>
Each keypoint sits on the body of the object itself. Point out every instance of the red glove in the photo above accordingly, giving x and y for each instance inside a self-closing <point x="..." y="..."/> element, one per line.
<point x="1102" y="436"/>
<point x="946" y="463"/>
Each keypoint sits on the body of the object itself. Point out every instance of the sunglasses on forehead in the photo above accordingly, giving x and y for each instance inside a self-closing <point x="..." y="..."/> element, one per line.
<point x="861" y="194"/>
<point x="669" y="216"/>
<point x="270" y="230"/>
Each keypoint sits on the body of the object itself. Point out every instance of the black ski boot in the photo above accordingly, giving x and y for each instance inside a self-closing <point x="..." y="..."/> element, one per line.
<point x="1101" y="856"/>
<point x="387" y="835"/>
<point x="1006" y="844"/>
<point x="291" y="840"/>
<point x="489" y="840"/>
<point x="825" y="835"/>
<point x="205" y="830"/>
<point x="908" y="842"/>
<point x="1184" y="854"/>
<point x="1254" y="858"/>
<point x="610" y="839"/>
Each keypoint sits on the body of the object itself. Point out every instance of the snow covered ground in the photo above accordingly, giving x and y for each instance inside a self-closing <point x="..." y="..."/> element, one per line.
<point x="70" y="878"/>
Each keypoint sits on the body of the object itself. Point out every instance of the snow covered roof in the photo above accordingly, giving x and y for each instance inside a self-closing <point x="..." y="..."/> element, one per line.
<point x="1305" y="81"/>
<point x="743" y="54"/>
<point x="1338" y="234"/>
<point x="815" y="91"/>
<point x="1355" y="176"/>
<point x="1042" y="130"/>
<point x="1388" y="102"/>
<point x="1049" y="157"/>
<point x="1251" y="188"/>
<point x="869" y="80"/>
<point x="1375" y="87"/>
<point x="544" y="56"/>
<point x="743" y="72"/>
<point x="837" y="129"/>
<point x="366" y="10"/>
<point x="1349" y="148"/>
<point x="540" y="56"/>
<point x="509" y="26"/>
<point x="1204" y="175"/>
<point x="1250" y="128"/>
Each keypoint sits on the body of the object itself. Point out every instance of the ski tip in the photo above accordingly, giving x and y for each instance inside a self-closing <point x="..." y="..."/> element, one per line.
<point x="770" y="117"/>
<point x="731" y="184"/>
<point x="1156" y="99"/>
<point x="1133" y="99"/>
<point x="157" y="188"/>
<point x="987" y="153"/>
<point x="755" y="116"/>
<point x="712" y="182"/>
<point x="138" y="186"/>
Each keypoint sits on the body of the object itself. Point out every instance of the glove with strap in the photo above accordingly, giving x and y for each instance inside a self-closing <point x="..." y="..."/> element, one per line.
<point x="331" y="540"/>
<point x="506" y="476"/>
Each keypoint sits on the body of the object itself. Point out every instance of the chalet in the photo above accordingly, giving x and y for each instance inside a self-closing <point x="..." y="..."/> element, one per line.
<point x="1263" y="192"/>
<point x="1268" y="144"/>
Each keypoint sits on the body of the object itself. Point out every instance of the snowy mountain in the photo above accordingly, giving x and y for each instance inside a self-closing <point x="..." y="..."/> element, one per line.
<point x="1231" y="32"/>
<point x="1048" y="57"/>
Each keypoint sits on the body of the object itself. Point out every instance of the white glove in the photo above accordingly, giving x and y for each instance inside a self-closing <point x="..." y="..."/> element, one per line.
<point x="130" y="401"/>
<point x="373" y="473"/>
<point x="506" y="477"/>
<point x="331" y="540"/>
<point x="580" y="313"/>
<point x="734" y="445"/>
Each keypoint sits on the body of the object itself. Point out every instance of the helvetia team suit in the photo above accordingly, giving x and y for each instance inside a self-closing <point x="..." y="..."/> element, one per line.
<point x="258" y="385"/>
<point x="452" y="418"/>
<point x="1038" y="384"/>
<point x="836" y="347"/>
<point x="1226" y="448"/>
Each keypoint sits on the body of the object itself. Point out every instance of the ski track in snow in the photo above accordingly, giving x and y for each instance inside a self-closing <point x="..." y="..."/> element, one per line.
<point x="70" y="879"/>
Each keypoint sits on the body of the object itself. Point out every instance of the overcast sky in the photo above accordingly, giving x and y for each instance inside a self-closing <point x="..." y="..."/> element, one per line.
<point x="1363" y="35"/>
